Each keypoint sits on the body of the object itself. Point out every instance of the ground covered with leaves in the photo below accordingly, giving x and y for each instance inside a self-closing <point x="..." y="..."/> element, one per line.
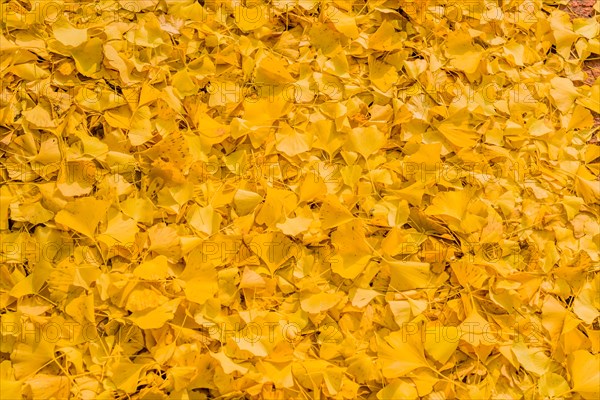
<point x="299" y="199"/>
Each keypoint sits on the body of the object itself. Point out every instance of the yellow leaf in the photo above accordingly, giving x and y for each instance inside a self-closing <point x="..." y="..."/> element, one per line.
<point x="251" y="279"/>
<point x="343" y="22"/>
<point x="200" y="276"/>
<point x="278" y="204"/>
<point x="204" y="219"/>
<point x="184" y="84"/>
<point x="82" y="309"/>
<point x="30" y="356"/>
<point x="297" y="225"/>
<point x="464" y="55"/>
<point x="457" y="131"/>
<point x="367" y="141"/>
<point x="441" y="341"/>
<point x="385" y="38"/>
<point x="120" y="230"/>
<point x="47" y="386"/>
<point x="34" y="213"/>
<point x="40" y="117"/>
<point x="227" y="363"/>
<point x="553" y="385"/>
<point x="532" y="359"/>
<point x="291" y="141"/>
<point x="154" y="269"/>
<point x="587" y="304"/>
<point x="324" y="38"/>
<point x="352" y="251"/>
<point x="452" y="204"/>
<point x="88" y="56"/>
<point x="126" y="375"/>
<point x="585" y="374"/>
<point x="382" y="75"/>
<point x="246" y="201"/>
<point x="591" y="100"/>
<point x="564" y="93"/>
<point x="272" y="69"/>
<point x="252" y="17"/>
<point x="400" y="343"/>
<point x="148" y="32"/>
<point x="83" y="215"/>
<point x="67" y="34"/>
<point x="315" y="303"/>
<point x="273" y="248"/>
<point x="333" y="213"/>
<point x="156" y="317"/>
<point x="408" y="275"/>
<point x="97" y="98"/>
<point x="398" y="389"/>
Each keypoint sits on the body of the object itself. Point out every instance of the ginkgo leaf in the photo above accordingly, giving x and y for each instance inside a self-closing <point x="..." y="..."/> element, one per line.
<point x="11" y="389"/>
<point x="563" y="93"/>
<point x="184" y="84"/>
<point x="441" y="341"/>
<point x="246" y="201"/>
<point x="464" y="55"/>
<point x="453" y="204"/>
<point x="228" y="364"/>
<point x="533" y="360"/>
<point x="362" y="297"/>
<point x="352" y="251"/>
<point x="407" y="275"/>
<point x="83" y="215"/>
<point x="40" y="117"/>
<point x="34" y="213"/>
<point x="586" y="305"/>
<point x="120" y="229"/>
<point x="344" y="23"/>
<point x="273" y="249"/>
<point x="251" y="279"/>
<point x="88" y="56"/>
<point x="29" y="356"/>
<point x="156" y="317"/>
<point x="591" y="101"/>
<point x="76" y="178"/>
<point x="67" y="34"/>
<point x="157" y="268"/>
<point x="366" y="141"/>
<point x="202" y="287"/>
<point x="553" y="385"/>
<point x="126" y="376"/>
<point x="292" y="142"/>
<point x="399" y="389"/>
<point x="385" y="38"/>
<point x="382" y="75"/>
<point x="295" y="226"/>
<point x="272" y="69"/>
<point x="333" y="213"/>
<point x="315" y="303"/>
<point x="585" y="376"/>
<point x="81" y="309"/>
<point x="457" y="131"/>
<point x="43" y="385"/>
<point x="204" y="219"/>
<point x="392" y="346"/>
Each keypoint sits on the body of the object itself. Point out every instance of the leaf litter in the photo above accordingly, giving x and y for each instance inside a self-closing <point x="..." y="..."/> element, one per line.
<point x="299" y="199"/>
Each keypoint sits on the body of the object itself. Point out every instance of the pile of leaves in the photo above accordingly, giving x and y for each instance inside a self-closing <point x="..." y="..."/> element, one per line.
<point x="298" y="199"/>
